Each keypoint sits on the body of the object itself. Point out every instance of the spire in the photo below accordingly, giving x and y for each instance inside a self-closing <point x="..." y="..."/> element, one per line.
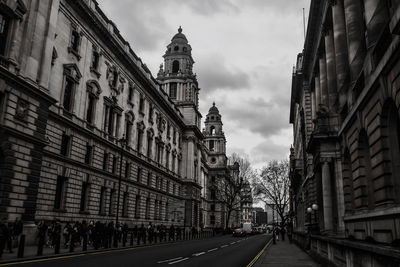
<point x="180" y="29"/>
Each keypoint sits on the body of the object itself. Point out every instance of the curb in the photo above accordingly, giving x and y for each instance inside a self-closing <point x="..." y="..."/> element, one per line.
<point x="255" y="262"/>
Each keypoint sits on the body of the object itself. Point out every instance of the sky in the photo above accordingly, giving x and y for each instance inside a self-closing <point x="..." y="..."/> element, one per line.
<point x="244" y="52"/>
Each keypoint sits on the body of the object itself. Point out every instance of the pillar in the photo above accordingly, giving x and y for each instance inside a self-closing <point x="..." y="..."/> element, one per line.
<point x="323" y="80"/>
<point x="339" y="35"/>
<point x="355" y="37"/>
<point x="339" y="195"/>
<point x="317" y="92"/>
<point x="327" y="196"/>
<point x="376" y="16"/>
<point x="313" y="105"/>
<point x="330" y="68"/>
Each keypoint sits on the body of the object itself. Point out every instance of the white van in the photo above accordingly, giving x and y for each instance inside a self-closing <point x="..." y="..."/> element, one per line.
<point x="247" y="228"/>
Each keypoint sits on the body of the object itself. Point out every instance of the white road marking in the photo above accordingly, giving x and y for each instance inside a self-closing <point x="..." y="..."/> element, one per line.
<point x="233" y="243"/>
<point x="170" y="260"/>
<point x="198" y="254"/>
<point x="224" y="246"/>
<point x="212" y="249"/>
<point x="239" y="241"/>
<point x="178" y="261"/>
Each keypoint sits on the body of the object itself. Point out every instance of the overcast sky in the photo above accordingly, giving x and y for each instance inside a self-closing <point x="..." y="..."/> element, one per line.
<point x="244" y="52"/>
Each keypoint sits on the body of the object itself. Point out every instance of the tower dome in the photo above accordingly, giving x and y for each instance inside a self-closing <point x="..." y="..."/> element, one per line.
<point x="213" y="109"/>
<point x="179" y="37"/>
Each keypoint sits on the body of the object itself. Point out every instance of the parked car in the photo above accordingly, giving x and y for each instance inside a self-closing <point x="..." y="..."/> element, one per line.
<point x="238" y="232"/>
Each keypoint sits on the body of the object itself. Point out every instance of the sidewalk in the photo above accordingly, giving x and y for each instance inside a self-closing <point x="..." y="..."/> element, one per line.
<point x="285" y="254"/>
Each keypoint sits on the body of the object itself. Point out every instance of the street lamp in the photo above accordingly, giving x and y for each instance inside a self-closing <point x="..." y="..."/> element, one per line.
<point x="122" y="141"/>
<point x="309" y="211"/>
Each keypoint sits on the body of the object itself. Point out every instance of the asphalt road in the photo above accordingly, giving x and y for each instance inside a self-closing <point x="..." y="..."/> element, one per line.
<point x="223" y="251"/>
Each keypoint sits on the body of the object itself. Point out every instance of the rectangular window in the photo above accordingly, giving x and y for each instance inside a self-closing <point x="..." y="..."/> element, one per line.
<point x="149" y="179"/>
<point x="149" y="145"/>
<point x="147" y="211"/>
<point x="167" y="187"/>
<point x="89" y="153"/>
<point x="139" y="141"/>
<point x="65" y="144"/>
<point x="155" y="209"/>
<point x="151" y="108"/>
<point x="75" y="40"/>
<point x="84" y="196"/>
<point x="111" y="121"/>
<point x="130" y="94"/>
<point x="112" y="202"/>
<point x="141" y="104"/>
<point x="173" y="163"/>
<point x="4" y="24"/>
<point x="102" y="200"/>
<point x="174" y="137"/>
<point x="95" y="59"/>
<point x="105" y="161"/>
<point x="60" y="193"/>
<point x="90" y="109"/>
<point x="114" y="165"/>
<point x="173" y="90"/>
<point x="212" y="207"/>
<point x="125" y="204"/>
<point x="166" y="211"/>
<point x="211" y="145"/>
<point x="212" y="219"/>
<point x="68" y="93"/>
<point x="167" y="160"/>
<point x="128" y="130"/>
<point x="168" y="131"/>
<point x="139" y="174"/>
<point x="127" y="169"/>
<point x="137" y="207"/>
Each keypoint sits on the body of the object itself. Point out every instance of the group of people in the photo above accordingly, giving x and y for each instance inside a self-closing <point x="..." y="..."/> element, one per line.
<point x="9" y="232"/>
<point x="282" y="231"/>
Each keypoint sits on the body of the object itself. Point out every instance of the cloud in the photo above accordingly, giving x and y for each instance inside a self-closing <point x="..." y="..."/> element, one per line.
<point x="211" y="7"/>
<point x="216" y="74"/>
<point x="268" y="150"/>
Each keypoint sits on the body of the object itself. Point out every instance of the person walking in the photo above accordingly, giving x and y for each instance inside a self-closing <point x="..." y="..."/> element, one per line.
<point x="17" y="230"/>
<point x="283" y="232"/>
<point x="67" y="234"/>
<point x="4" y="235"/>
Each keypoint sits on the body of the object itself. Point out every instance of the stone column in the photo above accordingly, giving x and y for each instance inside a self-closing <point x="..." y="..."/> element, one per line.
<point x="313" y="105"/>
<point x="330" y="68"/>
<point x="339" y="34"/>
<point x="323" y="80"/>
<point x="376" y="16"/>
<point x="355" y="37"/>
<point x="339" y="195"/>
<point x="317" y="92"/>
<point x="327" y="196"/>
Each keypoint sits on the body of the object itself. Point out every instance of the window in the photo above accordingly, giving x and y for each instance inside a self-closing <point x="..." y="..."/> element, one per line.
<point x="65" y="144"/>
<point x="114" y="165"/>
<point x="179" y="166"/>
<point x="155" y="209"/>
<point x="173" y="90"/>
<point x="167" y="187"/>
<point x="60" y="192"/>
<point x="84" y="196"/>
<point x="137" y="207"/>
<point x="147" y="210"/>
<point x="365" y="189"/>
<point x="75" y="40"/>
<point x="174" y="189"/>
<point x="212" y="219"/>
<point x="168" y="130"/>
<point x="212" y="193"/>
<point x="139" y="139"/>
<point x="95" y="59"/>
<point x="174" y="137"/>
<point x="130" y="94"/>
<point x="89" y="153"/>
<point x="167" y="159"/>
<point x="4" y="24"/>
<point x="212" y="207"/>
<point x="127" y="169"/>
<point x="112" y="117"/>
<point x="90" y="108"/>
<point x="212" y="130"/>
<point x="151" y="109"/>
<point x="112" y="201"/>
<point x="128" y="130"/>
<point x="141" y="104"/>
<point x="176" y="48"/>
<point x="68" y="94"/>
<point x="211" y="145"/>
<point x="139" y="174"/>
<point x="125" y="204"/>
<point x="149" y="178"/>
<point x="166" y="211"/>
<point x="175" y="66"/>
<point x="102" y="200"/>
<point x="105" y="161"/>
<point x="149" y="143"/>
<point x="173" y="162"/>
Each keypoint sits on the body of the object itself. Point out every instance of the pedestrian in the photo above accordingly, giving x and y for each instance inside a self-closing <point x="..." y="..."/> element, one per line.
<point x="289" y="234"/>
<point x="171" y="233"/>
<point x="277" y="233"/>
<point x="150" y="232"/>
<point x="4" y="235"/>
<point x="67" y="234"/>
<point x="283" y="231"/>
<point x="17" y="230"/>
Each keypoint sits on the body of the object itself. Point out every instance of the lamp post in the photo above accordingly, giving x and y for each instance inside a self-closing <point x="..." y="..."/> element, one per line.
<point x="122" y="141"/>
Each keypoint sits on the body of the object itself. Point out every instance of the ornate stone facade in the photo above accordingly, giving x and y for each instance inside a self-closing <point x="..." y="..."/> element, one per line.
<point x="344" y="111"/>
<point x="74" y="99"/>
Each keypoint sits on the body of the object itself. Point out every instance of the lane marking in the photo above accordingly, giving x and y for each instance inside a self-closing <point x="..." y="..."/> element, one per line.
<point x="178" y="261"/>
<point x="170" y="260"/>
<point x="39" y="260"/>
<point x="198" y="254"/>
<point x="259" y="254"/>
<point x="210" y="250"/>
<point x="224" y="246"/>
<point x="233" y="243"/>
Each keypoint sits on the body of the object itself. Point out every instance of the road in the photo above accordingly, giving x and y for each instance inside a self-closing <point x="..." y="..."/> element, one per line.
<point x="218" y="251"/>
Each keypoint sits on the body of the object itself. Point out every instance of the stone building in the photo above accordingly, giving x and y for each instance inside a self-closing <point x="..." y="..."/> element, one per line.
<point x="345" y="161"/>
<point x="86" y="132"/>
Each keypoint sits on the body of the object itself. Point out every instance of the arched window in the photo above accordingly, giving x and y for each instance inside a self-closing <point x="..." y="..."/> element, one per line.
<point x="175" y="66"/>
<point x="212" y="130"/>
<point x="348" y="182"/>
<point x="391" y="130"/>
<point x="364" y="188"/>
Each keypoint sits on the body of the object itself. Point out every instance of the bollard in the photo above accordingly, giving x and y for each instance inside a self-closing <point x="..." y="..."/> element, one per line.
<point x="131" y="243"/>
<point x="57" y="242"/>
<point x="85" y="240"/>
<point x="21" y="246"/>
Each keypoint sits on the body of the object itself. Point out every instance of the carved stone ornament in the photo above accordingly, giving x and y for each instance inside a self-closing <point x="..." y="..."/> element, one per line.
<point x="22" y="109"/>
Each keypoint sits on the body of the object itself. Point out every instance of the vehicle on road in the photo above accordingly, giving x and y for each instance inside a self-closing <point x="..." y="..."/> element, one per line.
<point x="247" y="228"/>
<point x="238" y="232"/>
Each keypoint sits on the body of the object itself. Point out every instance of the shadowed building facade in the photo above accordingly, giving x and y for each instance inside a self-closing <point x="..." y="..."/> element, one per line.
<point x="344" y="111"/>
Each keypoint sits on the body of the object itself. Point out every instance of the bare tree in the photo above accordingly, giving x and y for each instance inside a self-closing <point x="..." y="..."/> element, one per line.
<point x="228" y="191"/>
<point x="271" y="186"/>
